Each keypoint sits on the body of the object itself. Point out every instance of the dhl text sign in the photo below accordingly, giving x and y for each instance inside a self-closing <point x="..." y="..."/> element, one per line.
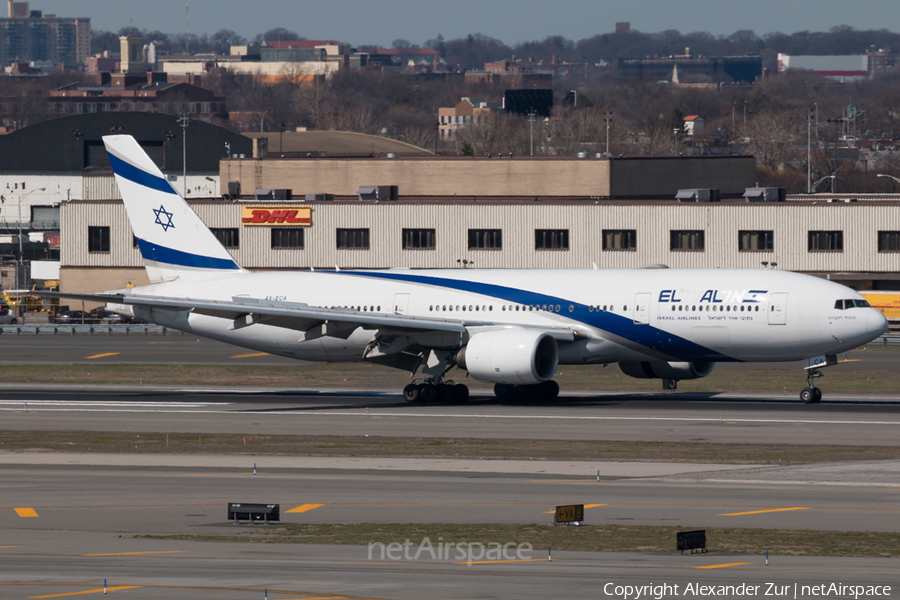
<point x="276" y="215"/>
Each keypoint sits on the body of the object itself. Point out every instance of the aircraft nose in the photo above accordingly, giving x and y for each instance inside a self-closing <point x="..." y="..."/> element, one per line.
<point x="876" y="324"/>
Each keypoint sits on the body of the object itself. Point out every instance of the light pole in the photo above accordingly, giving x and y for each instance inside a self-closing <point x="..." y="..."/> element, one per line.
<point x="809" y="151"/>
<point x="19" y="266"/>
<point x="531" y="116"/>
<point x="896" y="180"/>
<point x="281" y="139"/>
<point x="832" y="177"/>
<point x="676" y="142"/>
<point x="608" y="120"/>
<point x="184" y="122"/>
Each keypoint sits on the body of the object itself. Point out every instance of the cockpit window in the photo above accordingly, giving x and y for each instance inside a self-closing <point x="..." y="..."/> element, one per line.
<point x="847" y="304"/>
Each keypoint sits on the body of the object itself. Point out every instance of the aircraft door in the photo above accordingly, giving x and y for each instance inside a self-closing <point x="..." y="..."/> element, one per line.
<point x="642" y="308"/>
<point x="778" y="308"/>
<point x="401" y="304"/>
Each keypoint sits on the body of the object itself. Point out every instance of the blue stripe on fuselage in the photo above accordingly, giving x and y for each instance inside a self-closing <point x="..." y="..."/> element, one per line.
<point x="132" y="173"/>
<point x="168" y="256"/>
<point x="624" y="327"/>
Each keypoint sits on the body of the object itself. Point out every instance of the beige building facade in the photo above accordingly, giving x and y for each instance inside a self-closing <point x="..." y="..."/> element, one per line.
<point x="857" y="243"/>
<point x="483" y="177"/>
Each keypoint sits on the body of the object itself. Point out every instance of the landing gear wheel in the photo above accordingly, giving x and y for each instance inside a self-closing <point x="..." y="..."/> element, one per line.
<point x="460" y="393"/>
<point x="411" y="393"/>
<point x="808" y="395"/>
<point x="427" y="392"/>
<point x="818" y="395"/>
<point x="549" y="390"/>
<point x="503" y="391"/>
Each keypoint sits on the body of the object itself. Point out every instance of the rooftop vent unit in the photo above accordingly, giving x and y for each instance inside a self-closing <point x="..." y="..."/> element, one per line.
<point x="369" y="193"/>
<point x="319" y="197"/>
<point x="272" y="194"/>
<point x="765" y="194"/>
<point x="698" y="195"/>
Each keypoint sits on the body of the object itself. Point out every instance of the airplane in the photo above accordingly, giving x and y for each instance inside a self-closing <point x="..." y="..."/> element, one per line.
<point x="511" y="328"/>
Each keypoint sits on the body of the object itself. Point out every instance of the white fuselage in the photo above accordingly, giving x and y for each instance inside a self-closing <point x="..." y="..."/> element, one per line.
<point x="616" y="315"/>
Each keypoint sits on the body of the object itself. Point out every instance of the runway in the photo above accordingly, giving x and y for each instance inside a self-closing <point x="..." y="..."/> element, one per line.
<point x="67" y="527"/>
<point x="176" y="348"/>
<point x="62" y="515"/>
<point x="663" y="416"/>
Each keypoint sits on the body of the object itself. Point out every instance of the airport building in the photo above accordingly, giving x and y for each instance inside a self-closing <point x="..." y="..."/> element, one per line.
<point x="857" y="243"/>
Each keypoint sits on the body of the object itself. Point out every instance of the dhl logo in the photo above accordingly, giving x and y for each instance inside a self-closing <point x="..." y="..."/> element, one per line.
<point x="270" y="215"/>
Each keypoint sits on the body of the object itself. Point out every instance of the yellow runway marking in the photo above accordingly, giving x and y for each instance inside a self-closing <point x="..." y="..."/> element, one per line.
<point x="100" y="591"/>
<point x="26" y="512"/>
<point x="133" y="553"/>
<point x="219" y="474"/>
<point x="305" y="507"/>
<point x="104" y="355"/>
<point x="550" y="512"/>
<point x="560" y="480"/>
<point x="491" y="562"/>
<point x="758" y="512"/>
<point x="250" y="355"/>
<point x="10" y="546"/>
<point x="723" y="566"/>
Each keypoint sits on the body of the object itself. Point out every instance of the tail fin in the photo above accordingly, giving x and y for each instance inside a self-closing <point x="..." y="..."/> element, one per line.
<point x="173" y="240"/>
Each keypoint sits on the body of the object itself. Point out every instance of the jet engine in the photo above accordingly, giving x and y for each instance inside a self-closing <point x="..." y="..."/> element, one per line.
<point x="511" y="356"/>
<point x="666" y="370"/>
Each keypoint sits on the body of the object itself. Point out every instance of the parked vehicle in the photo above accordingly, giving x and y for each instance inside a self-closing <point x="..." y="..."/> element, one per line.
<point x="100" y="314"/>
<point x="75" y="317"/>
<point x="7" y="317"/>
<point x="117" y="319"/>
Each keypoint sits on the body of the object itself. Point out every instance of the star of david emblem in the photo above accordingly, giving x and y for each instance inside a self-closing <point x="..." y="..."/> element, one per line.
<point x="163" y="218"/>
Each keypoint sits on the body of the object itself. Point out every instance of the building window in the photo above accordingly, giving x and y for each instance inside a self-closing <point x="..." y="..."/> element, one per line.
<point x="889" y="241"/>
<point x="227" y="237"/>
<point x="98" y="239"/>
<point x="485" y="239"/>
<point x="284" y="237"/>
<point x="826" y="241"/>
<point x="619" y="239"/>
<point x="353" y="238"/>
<point x="756" y="241"/>
<point x="686" y="240"/>
<point x="418" y="239"/>
<point x="551" y="239"/>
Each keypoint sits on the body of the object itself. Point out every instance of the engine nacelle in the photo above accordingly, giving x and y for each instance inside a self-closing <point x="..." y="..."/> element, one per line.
<point x="666" y="370"/>
<point x="512" y="356"/>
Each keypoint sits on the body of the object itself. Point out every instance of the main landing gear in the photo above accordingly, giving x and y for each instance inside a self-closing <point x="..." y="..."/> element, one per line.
<point x="541" y="391"/>
<point x="447" y="392"/>
<point x="811" y="394"/>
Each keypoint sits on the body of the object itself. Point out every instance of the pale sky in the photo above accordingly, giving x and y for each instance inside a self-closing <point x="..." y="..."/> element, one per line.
<point x="382" y="21"/>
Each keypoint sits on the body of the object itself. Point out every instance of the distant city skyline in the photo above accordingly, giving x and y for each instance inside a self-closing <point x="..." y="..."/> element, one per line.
<point x="512" y="21"/>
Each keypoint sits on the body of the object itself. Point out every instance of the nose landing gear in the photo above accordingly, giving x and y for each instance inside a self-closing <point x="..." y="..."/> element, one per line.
<point x="811" y="394"/>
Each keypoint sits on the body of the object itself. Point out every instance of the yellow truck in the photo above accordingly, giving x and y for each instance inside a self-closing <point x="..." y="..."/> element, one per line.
<point x="887" y="302"/>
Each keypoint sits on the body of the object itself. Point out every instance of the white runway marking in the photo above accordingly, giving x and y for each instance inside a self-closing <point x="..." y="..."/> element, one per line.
<point x="88" y="403"/>
<point x="17" y="407"/>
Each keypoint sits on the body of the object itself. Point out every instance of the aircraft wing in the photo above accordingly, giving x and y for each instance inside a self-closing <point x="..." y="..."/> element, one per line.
<point x="299" y="316"/>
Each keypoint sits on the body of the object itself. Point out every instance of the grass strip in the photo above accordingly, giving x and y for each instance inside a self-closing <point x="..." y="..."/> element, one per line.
<point x="427" y="447"/>
<point x="611" y="538"/>
<point x="778" y="382"/>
